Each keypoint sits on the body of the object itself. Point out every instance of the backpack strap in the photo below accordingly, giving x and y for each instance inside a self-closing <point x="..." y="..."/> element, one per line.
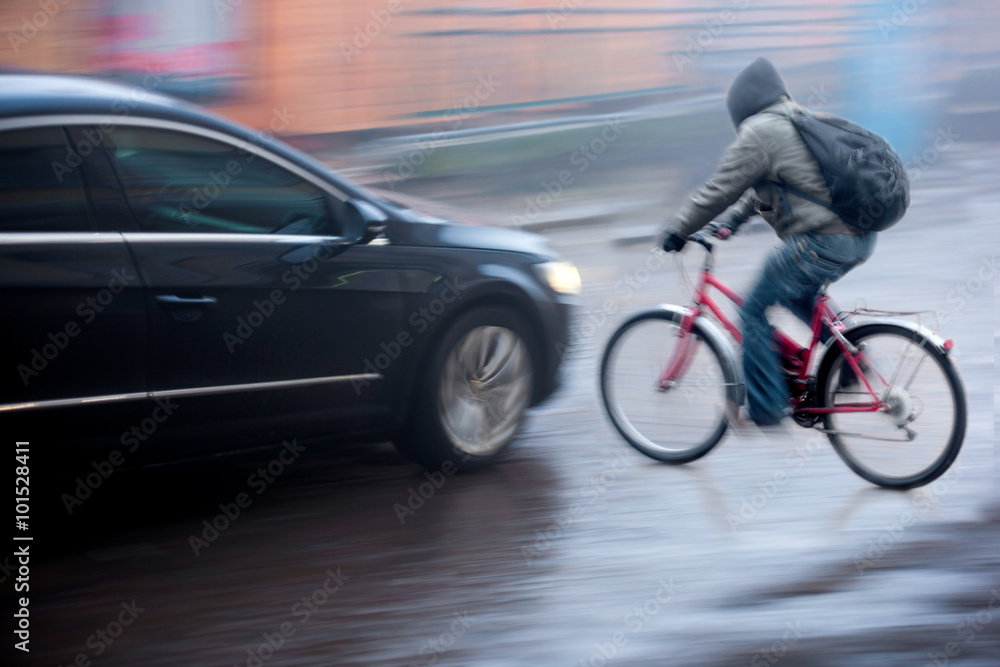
<point x="802" y="195"/>
<point x="793" y="190"/>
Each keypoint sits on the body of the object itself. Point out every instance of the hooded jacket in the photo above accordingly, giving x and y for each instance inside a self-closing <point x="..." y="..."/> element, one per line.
<point x="768" y="153"/>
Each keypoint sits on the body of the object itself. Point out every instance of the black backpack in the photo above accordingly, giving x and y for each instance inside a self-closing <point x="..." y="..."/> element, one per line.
<point x="869" y="188"/>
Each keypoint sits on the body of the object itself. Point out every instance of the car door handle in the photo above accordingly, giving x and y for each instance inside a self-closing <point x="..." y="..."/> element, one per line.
<point x="172" y="301"/>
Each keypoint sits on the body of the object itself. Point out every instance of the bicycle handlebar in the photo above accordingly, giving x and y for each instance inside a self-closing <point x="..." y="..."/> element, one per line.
<point x="701" y="238"/>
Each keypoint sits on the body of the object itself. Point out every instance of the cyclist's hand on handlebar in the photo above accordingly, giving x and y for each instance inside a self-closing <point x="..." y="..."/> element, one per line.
<point x="720" y="230"/>
<point x="673" y="242"/>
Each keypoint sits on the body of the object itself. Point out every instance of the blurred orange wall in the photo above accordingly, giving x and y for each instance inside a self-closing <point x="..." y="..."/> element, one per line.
<point x="352" y="64"/>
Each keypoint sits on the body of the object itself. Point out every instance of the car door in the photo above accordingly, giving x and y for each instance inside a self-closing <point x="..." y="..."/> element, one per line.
<point x="260" y="308"/>
<point x="72" y="312"/>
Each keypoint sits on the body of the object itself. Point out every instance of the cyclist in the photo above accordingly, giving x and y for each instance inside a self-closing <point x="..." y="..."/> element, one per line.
<point x="817" y="246"/>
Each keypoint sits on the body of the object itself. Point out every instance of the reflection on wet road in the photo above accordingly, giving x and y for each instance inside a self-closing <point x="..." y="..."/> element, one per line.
<point x="575" y="550"/>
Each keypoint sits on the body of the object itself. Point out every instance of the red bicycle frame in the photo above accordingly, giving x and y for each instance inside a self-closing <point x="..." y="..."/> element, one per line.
<point x="823" y="316"/>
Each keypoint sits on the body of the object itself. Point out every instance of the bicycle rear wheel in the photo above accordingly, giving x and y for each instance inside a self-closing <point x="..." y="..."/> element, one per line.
<point x="682" y="422"/>
<point x="918" y="435"/>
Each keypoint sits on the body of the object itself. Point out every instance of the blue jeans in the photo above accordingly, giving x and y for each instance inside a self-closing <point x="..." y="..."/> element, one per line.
<point x="793" y="276"/>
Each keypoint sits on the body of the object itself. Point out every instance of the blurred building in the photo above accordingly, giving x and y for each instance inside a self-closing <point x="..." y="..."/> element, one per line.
<point x="320" y="66"/>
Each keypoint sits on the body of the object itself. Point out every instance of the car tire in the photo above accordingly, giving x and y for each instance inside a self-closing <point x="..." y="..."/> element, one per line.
<point x="470" y="400"/>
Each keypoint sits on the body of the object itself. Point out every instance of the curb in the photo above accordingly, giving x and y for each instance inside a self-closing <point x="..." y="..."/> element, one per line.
<point x="595" y="215"/>
<point x="636" y="235"/>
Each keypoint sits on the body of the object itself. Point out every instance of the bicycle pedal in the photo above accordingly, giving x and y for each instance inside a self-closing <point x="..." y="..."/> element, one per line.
<point x="805" y="419"/>
<point x="732" y="412"/>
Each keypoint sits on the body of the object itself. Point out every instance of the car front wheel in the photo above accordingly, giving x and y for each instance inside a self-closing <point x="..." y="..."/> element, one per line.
<point x="471" y="400"/>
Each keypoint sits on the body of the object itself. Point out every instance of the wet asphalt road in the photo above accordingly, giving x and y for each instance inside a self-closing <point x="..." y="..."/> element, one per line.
<point x="575" y="550"/>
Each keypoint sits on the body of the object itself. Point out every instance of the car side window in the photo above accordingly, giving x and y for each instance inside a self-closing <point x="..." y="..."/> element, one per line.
<point x="179" y="182"/>
<point x="41" y="188"/>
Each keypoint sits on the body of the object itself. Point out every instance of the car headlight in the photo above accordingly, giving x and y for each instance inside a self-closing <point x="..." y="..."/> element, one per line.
<point x="561" y="277"/>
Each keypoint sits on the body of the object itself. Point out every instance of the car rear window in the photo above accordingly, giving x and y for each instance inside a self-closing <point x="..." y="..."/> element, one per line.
<point x="41" y="187"/>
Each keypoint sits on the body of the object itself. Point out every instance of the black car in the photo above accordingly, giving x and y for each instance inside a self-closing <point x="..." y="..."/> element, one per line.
<point x="173" y="285"/>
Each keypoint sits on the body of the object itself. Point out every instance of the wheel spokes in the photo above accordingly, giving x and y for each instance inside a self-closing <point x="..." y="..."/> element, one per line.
<point x="906" y="441"/>
<point x="675" y="423"/>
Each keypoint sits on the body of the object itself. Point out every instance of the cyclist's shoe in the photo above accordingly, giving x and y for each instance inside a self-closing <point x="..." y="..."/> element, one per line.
<point x="795" y="386"/>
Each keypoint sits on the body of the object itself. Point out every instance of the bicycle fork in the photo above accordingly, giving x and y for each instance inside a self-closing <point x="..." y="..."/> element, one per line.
<point x="682" y="354"/>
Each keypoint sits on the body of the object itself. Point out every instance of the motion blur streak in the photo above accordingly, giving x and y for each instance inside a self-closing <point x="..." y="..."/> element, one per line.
<point x="480" y="107"/>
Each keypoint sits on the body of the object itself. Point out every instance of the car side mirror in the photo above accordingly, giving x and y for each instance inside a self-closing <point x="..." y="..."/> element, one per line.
<point x="363" y="221"/>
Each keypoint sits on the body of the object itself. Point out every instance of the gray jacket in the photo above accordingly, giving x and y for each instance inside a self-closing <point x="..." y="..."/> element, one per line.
<point x="768" y="151"/>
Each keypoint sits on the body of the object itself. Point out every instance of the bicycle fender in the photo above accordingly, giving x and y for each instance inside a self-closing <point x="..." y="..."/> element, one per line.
<point x="932" y="338"/>
<point x="737" y="389"/>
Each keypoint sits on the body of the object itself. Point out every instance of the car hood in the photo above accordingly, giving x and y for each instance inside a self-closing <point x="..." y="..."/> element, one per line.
<point x="420" y="230"/>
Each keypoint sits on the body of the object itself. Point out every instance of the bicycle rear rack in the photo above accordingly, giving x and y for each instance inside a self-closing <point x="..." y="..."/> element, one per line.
<point x="862" y="310"/>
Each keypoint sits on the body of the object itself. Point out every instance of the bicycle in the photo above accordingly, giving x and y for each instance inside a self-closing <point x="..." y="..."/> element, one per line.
<point x="885" y="392"/>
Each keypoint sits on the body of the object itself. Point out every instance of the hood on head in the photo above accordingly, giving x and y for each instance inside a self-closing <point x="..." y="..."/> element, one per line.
<point x="757" y="87"/>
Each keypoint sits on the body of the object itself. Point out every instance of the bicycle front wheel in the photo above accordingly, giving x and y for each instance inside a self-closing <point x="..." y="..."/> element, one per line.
<point x="917" y="435"/>
<point x="677" y="423"/>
